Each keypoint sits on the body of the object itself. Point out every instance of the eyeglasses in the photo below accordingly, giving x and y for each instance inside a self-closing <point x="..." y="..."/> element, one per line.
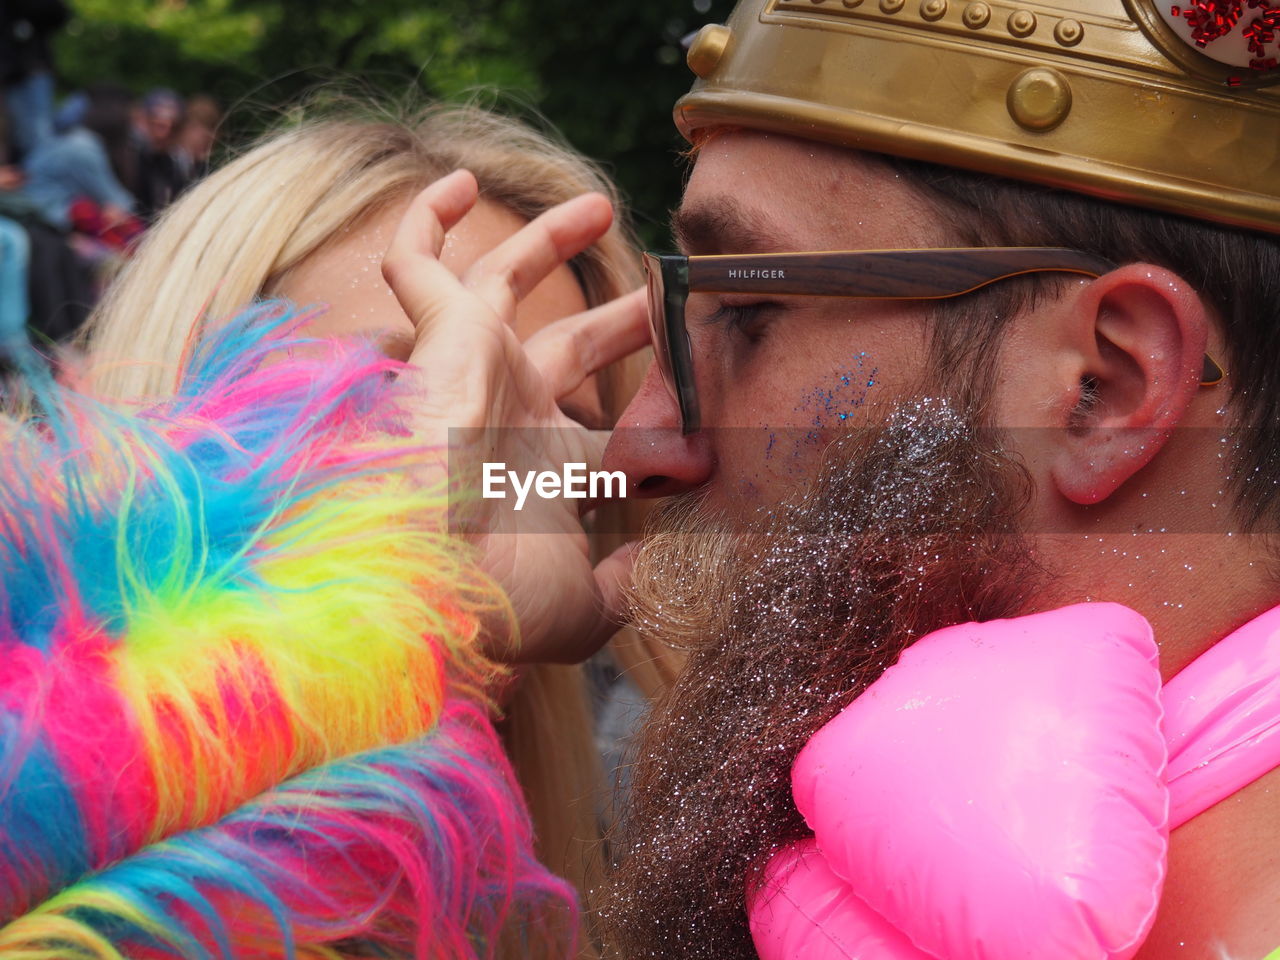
<point x="860" y="274"/>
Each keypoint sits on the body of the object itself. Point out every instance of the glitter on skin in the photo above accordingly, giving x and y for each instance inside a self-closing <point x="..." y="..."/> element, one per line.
<point x="907" y="528"/>
<point x="834" y="406"/>
<point x="829" y="408"/>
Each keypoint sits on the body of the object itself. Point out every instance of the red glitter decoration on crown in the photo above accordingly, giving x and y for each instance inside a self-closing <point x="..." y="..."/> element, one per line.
<point x="1213" y="19"/>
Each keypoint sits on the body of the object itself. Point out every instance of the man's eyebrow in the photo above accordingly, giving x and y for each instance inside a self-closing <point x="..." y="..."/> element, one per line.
<point x="723" y="225"/>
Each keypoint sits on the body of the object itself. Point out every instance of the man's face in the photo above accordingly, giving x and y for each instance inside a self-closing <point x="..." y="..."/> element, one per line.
<point x="881" y="510"/>
<point x="905" y="529"/>
<point x="161" y="119"/>
<point x="778" y="377"/>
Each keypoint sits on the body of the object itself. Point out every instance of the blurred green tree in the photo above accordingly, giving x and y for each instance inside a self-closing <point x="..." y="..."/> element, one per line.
<point x="606" y="74"/>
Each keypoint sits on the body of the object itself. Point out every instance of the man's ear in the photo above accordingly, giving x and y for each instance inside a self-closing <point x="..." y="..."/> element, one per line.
<point x="1134" y="343"/>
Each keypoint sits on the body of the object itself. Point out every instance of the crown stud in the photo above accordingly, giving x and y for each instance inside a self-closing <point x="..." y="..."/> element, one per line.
<point x="1022" y="23"/>
<point x="1068" y="32"/>
<point x="1039" y="99"/>
<point x="976" y="15"/>
<point x="707" y="48"/>
<point x="933" y="9"/>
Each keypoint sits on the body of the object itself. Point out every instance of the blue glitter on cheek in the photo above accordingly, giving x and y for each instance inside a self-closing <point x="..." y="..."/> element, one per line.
<point x="839" y="403"/>
<point x="829" y="407"/>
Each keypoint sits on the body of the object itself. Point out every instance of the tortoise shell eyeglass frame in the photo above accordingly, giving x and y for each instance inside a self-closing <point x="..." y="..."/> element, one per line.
<point x="930" y="274"/>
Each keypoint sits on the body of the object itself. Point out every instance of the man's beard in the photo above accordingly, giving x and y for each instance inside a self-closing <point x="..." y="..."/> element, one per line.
<point x="907" y="528"/>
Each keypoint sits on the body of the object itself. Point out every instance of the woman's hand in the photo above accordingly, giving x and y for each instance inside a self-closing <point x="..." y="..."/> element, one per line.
<point x="499" y="399"/>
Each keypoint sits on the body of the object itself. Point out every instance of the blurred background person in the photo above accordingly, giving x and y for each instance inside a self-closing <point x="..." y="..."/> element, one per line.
<point x="196" y="134"/>
<point x="47" y="286"/>
<point x="15" y="254"/>
<point x="75" y="177"/>
<point x="26" y="68"/>
<point x="157" y="179"/>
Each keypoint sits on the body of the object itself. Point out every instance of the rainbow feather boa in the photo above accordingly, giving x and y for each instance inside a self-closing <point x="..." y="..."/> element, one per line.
<point x="238" y="678"/>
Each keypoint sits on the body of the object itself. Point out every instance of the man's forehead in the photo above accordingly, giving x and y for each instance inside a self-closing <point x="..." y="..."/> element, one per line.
<point x="753" y="192"/>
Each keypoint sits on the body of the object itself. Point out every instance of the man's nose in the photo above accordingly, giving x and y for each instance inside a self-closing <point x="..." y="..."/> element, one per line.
<point x="648" y="446"/>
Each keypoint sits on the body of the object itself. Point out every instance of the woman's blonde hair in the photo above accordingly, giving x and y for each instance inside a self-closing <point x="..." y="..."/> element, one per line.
<point x="233" y="236"/>
<point x="238" y="232"/>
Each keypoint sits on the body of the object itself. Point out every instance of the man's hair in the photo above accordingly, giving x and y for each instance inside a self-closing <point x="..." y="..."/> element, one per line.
<point x="1236" y="272"/>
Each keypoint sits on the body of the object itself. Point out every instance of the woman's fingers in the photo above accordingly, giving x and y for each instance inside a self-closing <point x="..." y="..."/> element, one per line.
<point x="411" y="266"/>
<point x="507" y="273"/>
<point x="456" y="336"/>
<point x="613" y="579"/>
<point x="570" y="350"/>
<point x="449" y="316"/>
<point x="583" y="616"/>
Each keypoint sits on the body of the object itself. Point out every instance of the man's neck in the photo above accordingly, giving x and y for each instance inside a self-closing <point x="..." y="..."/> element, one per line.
<point x="1221" y="889"/>
<point x="1193" y="588"/>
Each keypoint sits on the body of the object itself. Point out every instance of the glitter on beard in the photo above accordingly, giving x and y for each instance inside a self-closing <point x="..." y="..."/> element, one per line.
<point x="907" y="528"/>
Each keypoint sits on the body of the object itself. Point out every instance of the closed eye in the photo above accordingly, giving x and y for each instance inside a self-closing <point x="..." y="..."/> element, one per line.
<point x="744" y="318"/>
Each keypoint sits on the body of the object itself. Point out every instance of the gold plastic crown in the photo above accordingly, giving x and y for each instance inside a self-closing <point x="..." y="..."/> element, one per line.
<point x="1147" y="103"/>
